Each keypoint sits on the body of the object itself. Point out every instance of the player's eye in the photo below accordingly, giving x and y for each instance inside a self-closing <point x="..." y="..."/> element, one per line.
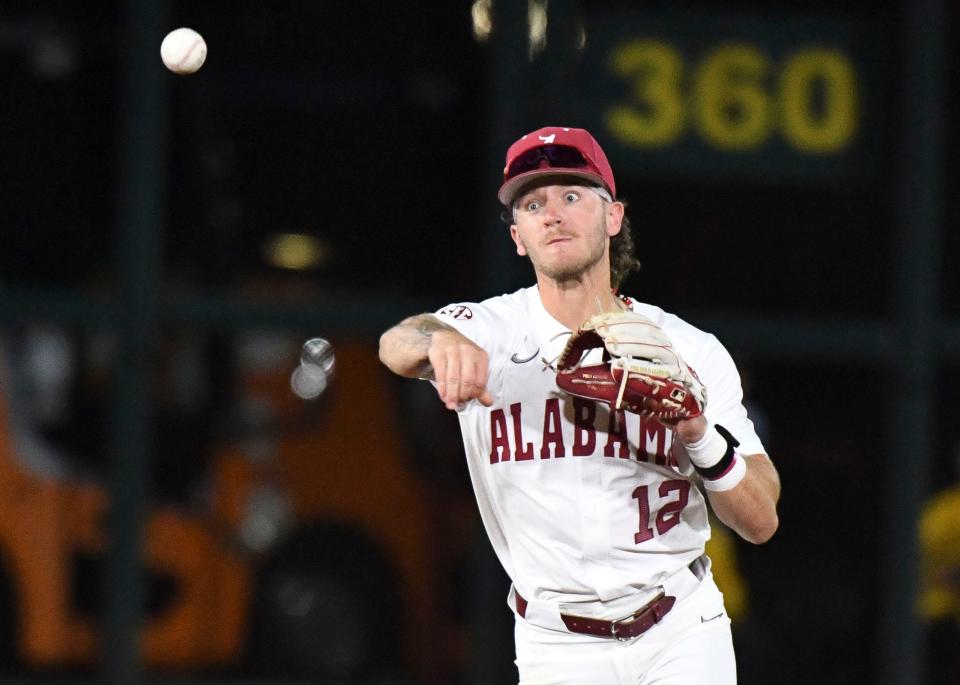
<point x="571" y="196"/>
<point x="532" y="206"/>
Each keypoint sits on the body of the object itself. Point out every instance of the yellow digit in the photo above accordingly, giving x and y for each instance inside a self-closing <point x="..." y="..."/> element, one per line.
<point x="730" y="106"/>
<point x="831" y="125"/>
<point x="655" y="115"/>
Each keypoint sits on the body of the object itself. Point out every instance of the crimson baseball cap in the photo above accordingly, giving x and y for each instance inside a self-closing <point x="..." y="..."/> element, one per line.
<point x="555" y="150"/>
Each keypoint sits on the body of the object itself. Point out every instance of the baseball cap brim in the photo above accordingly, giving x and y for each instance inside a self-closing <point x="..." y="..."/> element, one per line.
<point x="509" y="190"/>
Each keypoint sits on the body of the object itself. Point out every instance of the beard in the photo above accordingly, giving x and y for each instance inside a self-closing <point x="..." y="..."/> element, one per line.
<point x="574" y="270"/>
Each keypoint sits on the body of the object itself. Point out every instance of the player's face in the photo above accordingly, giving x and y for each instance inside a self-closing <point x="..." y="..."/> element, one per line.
<point x="565" y="230"/>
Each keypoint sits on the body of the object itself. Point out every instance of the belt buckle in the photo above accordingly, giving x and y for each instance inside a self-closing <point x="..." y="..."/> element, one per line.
<point x="630" y="618"/>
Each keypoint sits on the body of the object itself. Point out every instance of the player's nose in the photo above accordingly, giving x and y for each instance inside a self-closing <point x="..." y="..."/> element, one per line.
<point x="552" y="213"/>
<point x="552" y="220"/>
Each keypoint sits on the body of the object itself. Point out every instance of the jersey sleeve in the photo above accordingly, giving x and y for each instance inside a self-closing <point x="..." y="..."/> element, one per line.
<point x="477" y="321"/>
<point x="488" y="324"/>
<point x="719" y="374"/>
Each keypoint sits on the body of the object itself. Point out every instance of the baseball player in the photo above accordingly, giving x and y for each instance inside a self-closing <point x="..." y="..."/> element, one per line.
<point x="594" y="427"/>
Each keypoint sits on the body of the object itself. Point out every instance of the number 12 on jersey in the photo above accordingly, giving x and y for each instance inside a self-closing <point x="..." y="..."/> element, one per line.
<point x="676" y="492"/>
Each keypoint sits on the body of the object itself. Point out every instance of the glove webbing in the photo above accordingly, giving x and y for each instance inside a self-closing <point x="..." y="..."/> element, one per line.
<point x="623" y="386"/>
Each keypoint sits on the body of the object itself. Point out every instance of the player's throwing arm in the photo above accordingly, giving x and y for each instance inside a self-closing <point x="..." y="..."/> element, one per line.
<point x="422" y="346"/>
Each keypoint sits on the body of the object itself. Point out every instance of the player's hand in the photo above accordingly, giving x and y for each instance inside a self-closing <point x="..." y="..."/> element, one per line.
<point x="460" y="368"/>
<point x="691" y="430"/>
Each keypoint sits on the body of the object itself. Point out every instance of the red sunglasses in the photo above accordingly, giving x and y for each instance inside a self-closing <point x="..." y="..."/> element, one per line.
<point x="559" y="156"/>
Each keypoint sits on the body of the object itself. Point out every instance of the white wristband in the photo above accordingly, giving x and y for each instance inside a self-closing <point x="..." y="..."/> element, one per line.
<point x="708" y="450"/>
<point x="715" y="459"/>
<point x="730" y="479"/>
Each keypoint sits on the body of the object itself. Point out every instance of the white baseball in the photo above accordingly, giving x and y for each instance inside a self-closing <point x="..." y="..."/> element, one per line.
<point x="308" y="381"/>
<point x="318" y="352"/>
<point x="183" y="51"/>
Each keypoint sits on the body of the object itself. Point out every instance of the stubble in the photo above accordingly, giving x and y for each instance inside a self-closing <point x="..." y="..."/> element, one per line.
<point x="574" y="271"/>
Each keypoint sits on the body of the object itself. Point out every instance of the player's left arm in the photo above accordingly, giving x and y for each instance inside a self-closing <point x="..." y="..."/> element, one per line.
<point x="750" y="507"/>
<point x="740" y="480"/>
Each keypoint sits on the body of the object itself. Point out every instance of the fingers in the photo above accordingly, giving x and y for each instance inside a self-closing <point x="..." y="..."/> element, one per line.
<point x="483" y="372"/>
<point x="460" y="369"/>
<point x="438" y="360"/>
<point x="455" y="371"/>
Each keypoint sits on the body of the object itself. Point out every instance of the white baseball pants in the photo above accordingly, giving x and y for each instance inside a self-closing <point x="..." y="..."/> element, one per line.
<point x="691" y="646"/>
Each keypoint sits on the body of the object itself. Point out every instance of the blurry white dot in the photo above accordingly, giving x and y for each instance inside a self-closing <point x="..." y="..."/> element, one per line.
<point x="308" y="381"/>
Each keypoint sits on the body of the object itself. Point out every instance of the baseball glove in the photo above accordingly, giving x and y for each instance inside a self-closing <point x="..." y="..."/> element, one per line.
<point x="640" y="371"/>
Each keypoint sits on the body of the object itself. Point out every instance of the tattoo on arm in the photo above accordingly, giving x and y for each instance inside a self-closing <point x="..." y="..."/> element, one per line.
<point x="427" y="324"/>
<point x="420" y="329"/>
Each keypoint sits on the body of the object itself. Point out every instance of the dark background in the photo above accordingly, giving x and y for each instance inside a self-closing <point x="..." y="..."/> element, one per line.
<point x="377" y="130"/>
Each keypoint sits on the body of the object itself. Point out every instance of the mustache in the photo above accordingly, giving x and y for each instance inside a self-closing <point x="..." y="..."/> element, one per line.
<point x="557" y="235"/>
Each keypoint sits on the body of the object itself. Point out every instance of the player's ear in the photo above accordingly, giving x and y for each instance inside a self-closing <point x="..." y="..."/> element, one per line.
<point x="515" y="234"/>
<point x="614" y="214"/>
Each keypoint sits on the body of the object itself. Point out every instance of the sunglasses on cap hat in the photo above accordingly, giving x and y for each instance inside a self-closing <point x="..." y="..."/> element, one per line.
<point x="554" y="151"/>
<point x="548" y="156"/>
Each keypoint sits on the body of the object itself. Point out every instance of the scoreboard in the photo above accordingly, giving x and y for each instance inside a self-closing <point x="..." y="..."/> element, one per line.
<point x="792" y="98"/>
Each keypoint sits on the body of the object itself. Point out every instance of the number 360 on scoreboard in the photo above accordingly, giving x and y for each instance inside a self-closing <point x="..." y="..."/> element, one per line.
<point x="777" y="99"/>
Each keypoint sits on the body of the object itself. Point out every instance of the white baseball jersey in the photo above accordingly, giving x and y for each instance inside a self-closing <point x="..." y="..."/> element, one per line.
<point x="580" y="504"/>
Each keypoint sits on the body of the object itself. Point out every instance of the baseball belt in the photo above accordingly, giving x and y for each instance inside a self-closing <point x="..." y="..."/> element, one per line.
<point x="630" y="626"/>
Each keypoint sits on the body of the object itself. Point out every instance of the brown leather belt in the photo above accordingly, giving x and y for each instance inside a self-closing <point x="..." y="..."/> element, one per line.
<point x="628" y="627"/>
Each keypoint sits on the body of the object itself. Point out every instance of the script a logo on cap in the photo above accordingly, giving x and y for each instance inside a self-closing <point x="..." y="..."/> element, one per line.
<point x="548" y="139"/>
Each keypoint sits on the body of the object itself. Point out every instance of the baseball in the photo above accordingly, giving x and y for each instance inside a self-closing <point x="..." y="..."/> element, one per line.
<point x="308" y="381"/>
<point x="315" y="370"/>
<point x="318" y="352"/>
<point x="183" y="51"/>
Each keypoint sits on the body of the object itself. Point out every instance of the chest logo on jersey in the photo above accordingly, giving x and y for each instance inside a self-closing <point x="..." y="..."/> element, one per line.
<point x="457" y="311"/>
<point x="611" y="435"/>
<point x="517" y="359"/>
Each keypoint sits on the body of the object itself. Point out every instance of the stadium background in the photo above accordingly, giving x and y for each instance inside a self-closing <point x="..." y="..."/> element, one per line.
<point x="170" y="512"/>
